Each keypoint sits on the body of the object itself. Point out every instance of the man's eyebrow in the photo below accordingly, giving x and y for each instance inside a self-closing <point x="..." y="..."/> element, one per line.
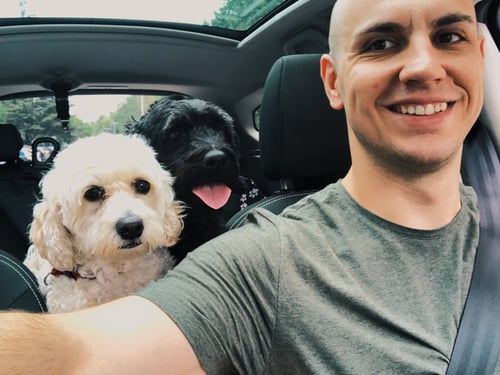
<point x="383" y="27"/>
<point x="394" y="27"/>
<point x="451" y="19"/>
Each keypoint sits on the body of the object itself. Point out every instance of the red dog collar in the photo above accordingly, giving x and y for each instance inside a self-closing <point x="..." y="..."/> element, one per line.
<point x="74" y="275"/>
<point x="71" y="274"/>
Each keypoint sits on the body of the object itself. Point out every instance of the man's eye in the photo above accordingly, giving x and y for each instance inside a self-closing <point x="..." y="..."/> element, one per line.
<point x="141" y="186"/>
<point x="94" y="194"/>
<point x="379" y="45"/>
<point x="449" y="38"/>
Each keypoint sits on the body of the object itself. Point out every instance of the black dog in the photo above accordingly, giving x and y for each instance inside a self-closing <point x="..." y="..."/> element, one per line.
<point x="195" y="140"/>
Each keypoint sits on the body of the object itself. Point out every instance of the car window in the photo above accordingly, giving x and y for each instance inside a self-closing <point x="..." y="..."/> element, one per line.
<point x="224" y="14"/>
<point x="36" y="117"/>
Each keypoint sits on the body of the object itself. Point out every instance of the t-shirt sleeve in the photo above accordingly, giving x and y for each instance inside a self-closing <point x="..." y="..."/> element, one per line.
<point x="223" y="297"/>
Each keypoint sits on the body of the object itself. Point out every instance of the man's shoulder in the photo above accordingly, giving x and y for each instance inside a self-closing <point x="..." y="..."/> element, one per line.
<point x="325" y="201"/>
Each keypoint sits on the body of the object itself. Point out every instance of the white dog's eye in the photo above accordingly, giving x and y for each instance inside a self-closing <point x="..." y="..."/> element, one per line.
<point x="141" y="186"/>
<point x="94" y="193"/>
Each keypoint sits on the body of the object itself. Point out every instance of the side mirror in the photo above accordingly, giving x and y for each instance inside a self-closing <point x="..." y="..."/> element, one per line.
<point x="43" y="151"/>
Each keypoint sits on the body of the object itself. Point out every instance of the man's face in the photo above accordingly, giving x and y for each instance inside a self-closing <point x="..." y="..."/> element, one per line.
<point x="409" y="75"/>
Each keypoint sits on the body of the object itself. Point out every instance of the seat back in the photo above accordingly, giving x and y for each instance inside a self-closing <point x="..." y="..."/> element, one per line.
<point x="19" y="189"/>
<point x="303" y="141"/>
<point x="11" y="145"/>
<point x="19" y="289"/>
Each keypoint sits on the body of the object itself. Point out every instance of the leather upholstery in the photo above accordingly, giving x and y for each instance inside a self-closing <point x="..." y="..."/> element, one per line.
<point x="10" y="143"/>
<point x="19" y="287"/>
<point x="303" y="141"/>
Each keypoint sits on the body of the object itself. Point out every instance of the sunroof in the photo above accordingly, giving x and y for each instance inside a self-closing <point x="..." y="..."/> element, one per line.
<point x="237" y="15"/>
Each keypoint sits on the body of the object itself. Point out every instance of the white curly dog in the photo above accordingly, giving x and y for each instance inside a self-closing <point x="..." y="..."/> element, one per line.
<point x="105" y="222"/>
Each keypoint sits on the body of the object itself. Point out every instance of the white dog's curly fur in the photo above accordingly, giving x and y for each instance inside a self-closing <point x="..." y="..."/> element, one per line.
<point x="103" y="226"/>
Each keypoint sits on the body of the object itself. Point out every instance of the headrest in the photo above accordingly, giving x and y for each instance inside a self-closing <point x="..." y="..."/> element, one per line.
<point x="10" y="143"/>
<point x="301" y="136"/>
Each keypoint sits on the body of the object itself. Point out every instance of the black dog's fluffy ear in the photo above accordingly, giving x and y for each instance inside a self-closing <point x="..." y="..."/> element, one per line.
<point x="235" y="137"/>
<point x="131" y="127"/>
<point x="135" y="126"/>
<point x="141" y="126"/>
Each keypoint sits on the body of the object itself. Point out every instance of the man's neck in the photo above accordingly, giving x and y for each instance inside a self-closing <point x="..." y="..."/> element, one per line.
<point x="430" y="202"/>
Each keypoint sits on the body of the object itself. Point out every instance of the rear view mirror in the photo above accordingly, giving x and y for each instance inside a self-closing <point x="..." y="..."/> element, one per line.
<point x="44" y="150"/>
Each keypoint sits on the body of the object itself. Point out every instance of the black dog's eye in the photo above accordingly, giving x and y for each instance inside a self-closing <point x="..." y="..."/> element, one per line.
<point x="94" y="193"/>
<point x="141" y="186"/>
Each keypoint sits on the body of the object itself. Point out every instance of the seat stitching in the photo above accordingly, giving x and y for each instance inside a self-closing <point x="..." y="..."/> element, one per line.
<point x="9" y="263"/>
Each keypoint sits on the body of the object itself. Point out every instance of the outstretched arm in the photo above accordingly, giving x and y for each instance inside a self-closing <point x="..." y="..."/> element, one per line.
<point x="127" y="336"/>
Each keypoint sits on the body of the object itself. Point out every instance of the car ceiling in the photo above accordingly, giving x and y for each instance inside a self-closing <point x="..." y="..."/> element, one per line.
<point x="118" y="57"/>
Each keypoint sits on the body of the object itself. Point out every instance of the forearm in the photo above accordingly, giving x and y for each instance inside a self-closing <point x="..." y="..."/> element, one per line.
<point x="128" y="336"/>
<point x="36" y="344"/>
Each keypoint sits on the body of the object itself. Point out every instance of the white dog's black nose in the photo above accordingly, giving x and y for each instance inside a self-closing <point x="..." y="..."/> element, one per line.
<point x="130" y="227"/>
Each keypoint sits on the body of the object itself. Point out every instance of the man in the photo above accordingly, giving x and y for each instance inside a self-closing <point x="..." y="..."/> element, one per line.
<point x="367" y="276"/>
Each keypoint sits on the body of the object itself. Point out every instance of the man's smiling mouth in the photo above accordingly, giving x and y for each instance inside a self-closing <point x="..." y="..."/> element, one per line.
<point x="421" y="109"/>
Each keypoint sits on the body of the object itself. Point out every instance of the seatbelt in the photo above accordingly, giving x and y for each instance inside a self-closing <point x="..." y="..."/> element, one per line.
<point x="477" y="344"/>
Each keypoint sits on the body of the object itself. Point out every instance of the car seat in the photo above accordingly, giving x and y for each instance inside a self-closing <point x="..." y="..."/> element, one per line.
<point x="303" y="141"/>
<point x="12" y="143"/>
<point x="19" y="187"/>
<point x="19" y="287"/>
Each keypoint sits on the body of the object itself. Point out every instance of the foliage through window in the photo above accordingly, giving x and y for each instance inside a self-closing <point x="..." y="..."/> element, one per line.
<point x="226" y="14"/>
<point x="36" y="117"/>
<point x="242" y="14"/>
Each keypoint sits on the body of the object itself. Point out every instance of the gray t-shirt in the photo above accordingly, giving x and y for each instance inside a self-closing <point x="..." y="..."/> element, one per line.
<point x="325" y="288"/>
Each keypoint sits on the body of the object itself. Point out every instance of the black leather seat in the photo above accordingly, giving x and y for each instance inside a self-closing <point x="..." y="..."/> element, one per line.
<point x="19" y="189"/>
<point x="12" y="143"/>
<point x="303" y="141"/>
<point x="19" y="289"/>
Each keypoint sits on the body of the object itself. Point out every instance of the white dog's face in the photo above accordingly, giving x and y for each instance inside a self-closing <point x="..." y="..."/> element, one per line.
<point x="106" y="197"/>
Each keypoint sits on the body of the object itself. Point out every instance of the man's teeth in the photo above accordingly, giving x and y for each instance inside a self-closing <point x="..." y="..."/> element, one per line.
<point x="422" y="110"/>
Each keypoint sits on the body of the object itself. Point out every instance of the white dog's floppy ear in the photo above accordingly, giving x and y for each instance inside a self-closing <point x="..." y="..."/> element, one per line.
<point x="173" y="223"/>
<point x="49" y="235"/>
<point x="173" y="209"/>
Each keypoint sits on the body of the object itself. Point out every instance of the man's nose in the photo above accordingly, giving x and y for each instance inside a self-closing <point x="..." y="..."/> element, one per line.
<point x="422" y="62"/>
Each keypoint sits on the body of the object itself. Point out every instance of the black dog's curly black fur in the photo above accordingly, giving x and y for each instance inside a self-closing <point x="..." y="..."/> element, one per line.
<point x="195" y="140"/>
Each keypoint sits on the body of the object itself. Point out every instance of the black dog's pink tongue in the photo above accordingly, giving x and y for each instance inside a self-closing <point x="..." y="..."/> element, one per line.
<point x="214" y="196"/>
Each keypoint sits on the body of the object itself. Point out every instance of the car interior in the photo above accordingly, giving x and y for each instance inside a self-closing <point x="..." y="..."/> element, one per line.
<point x="264" y="72"/>
<point x="302" y="161"/>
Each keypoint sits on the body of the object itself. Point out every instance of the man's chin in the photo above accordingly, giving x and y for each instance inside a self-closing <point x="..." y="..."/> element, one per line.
<point x="416" y="165"/>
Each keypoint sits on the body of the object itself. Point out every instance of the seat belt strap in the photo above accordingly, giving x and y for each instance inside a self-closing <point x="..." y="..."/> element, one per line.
<point x="477" y="344"/>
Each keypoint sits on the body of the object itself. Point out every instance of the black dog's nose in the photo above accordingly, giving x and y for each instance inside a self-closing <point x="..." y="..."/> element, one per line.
<point x="130" y="227"/>
<point x="214" y="158"/>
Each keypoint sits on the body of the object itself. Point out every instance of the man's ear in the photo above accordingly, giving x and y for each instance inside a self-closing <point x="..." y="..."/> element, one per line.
<point x="330" y="82"/>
